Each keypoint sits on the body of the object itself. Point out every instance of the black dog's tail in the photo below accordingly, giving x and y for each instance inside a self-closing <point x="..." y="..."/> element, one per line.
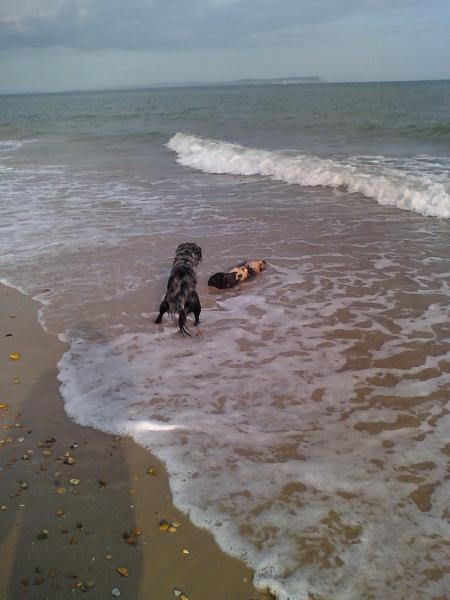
<point x="177" y="301"/>
<point x="182" y="322"/>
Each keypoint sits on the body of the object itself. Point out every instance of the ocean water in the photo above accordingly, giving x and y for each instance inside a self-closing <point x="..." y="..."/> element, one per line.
<point x="306" y="421"/>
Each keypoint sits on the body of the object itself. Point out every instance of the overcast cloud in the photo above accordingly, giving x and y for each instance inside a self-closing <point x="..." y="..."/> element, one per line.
<point x="329" y="38"/>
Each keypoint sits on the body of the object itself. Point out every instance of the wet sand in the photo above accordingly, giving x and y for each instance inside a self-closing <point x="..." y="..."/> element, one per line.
<point x="63" y="526"/>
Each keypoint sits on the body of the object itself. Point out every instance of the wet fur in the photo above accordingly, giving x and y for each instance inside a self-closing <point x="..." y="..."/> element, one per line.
<point x="240" y="272"/>
<point x="181" y="296"/>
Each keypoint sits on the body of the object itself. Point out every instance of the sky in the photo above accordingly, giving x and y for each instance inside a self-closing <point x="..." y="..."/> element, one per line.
<point x="57" y="45"/>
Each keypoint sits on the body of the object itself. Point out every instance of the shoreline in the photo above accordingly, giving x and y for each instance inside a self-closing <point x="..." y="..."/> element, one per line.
<point x="71" y="495"/>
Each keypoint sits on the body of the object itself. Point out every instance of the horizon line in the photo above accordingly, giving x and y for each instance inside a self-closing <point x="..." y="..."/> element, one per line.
<point x="224" y="83"/>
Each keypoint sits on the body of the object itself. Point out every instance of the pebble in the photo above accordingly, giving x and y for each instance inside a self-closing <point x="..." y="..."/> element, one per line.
<point x="115" y="592"/>
<point x="122" y="571"/>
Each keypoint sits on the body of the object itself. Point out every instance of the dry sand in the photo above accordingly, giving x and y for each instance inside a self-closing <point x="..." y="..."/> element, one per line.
<point x="43" y="555"/>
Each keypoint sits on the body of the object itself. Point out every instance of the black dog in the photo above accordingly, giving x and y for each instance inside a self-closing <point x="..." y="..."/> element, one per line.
<point x="181" y="296"/>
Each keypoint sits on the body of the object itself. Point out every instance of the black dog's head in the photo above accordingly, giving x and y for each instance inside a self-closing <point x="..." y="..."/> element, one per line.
<point x="190" y="251"/>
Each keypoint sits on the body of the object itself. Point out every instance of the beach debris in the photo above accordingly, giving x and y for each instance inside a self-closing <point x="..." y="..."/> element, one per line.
<point x="23" y="484"/>
<point x="60" y="513"/>
<point x="8" y="334"/>
<point x="12" y="316"/>
<point x="4" y="406"/>
<point x="74" y="445"/>
<point x="14" y="356"/>
<point x="3" y="507"/>
<point x="21" y="439"/>
<point x="69" y="459"/>
<point x="122" y="571"/>
<point x="47" y="453"/>
<point x="175" y="524"/>
<point x="75" y="481"/>
<point x="152" y="472"/>
<point x="79" y="526"/>
<point x="115" y="592"/>
<point x="172" y="529"/>
<point x="163" y="525"/>
<point x="15" y="380"/>
<point x="185" y="551"/>
<point x="61" y="490"/>
<point x="131" y="538"/>
<point x="179" y="594"/>
<point x="102" y="483"/>
<point x="43" y="534"/>
<point x="46" y="443"/>
<point x="108" y="556"/>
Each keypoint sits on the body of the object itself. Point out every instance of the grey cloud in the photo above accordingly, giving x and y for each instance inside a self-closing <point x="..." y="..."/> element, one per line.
<point x="166" y="24"/>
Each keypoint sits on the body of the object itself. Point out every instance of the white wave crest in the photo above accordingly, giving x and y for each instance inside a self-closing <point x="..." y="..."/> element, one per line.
<point x="388" y="186"/>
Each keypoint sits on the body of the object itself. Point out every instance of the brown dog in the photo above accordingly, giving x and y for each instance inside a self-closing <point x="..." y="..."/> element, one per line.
<point x="240" y="272"/>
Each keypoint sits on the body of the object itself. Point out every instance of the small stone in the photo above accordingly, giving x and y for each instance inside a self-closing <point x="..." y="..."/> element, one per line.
<point x="184" y="597"/>
<point x="4" y="406"/>
<point x="115" y="592"/>
<point x="89" y="584"/>
<point x="175" y="524"/>
<point x="185" y="551"/>
<point x="75" y="481"/>
<point x="51" y="573"/>
<point x="79" y="526"/>
<point x="15" y="380"/>
<point x="152" y="472"/>
<point x="21" y="439"/>
<point x="23" y="485"/>
<point x="73" y="541"/>
<point x="102" y="483"/>
<point x="60" y="513"/>
<point x="14" y="356"/>
<point x="47" y="453"/>
<point x="69" y="460"/>
<point x="43" y="534"/>
<point x="122" y="571"/>
<point x="177" y="592"/>
<point x="3" y="507"/>
<point x="108" y="556"/>
<point x="172" y="529"/>
<point x="38" y="580"/>
<point x="61" y="490"/>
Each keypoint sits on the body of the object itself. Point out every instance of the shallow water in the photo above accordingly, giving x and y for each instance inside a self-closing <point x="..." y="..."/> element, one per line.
<point x="305" y="422"/>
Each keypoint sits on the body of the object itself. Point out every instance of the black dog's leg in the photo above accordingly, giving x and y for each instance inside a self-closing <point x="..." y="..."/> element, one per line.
<point x="162" y="309"/>
<point x="196" y="308"/>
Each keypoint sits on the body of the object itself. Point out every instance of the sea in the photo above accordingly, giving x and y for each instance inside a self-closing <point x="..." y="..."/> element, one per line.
<point x="305" y="422"/>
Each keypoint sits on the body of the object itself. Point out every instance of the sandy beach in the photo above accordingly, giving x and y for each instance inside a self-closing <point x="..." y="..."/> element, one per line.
<point x="81" y="510"/>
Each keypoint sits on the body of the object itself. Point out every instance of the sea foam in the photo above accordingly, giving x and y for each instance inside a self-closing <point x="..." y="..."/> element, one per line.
<point x="388" y="185"/>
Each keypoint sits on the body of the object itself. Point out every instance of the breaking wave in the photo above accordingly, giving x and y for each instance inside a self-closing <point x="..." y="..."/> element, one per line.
<point x="382" y="179"/>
